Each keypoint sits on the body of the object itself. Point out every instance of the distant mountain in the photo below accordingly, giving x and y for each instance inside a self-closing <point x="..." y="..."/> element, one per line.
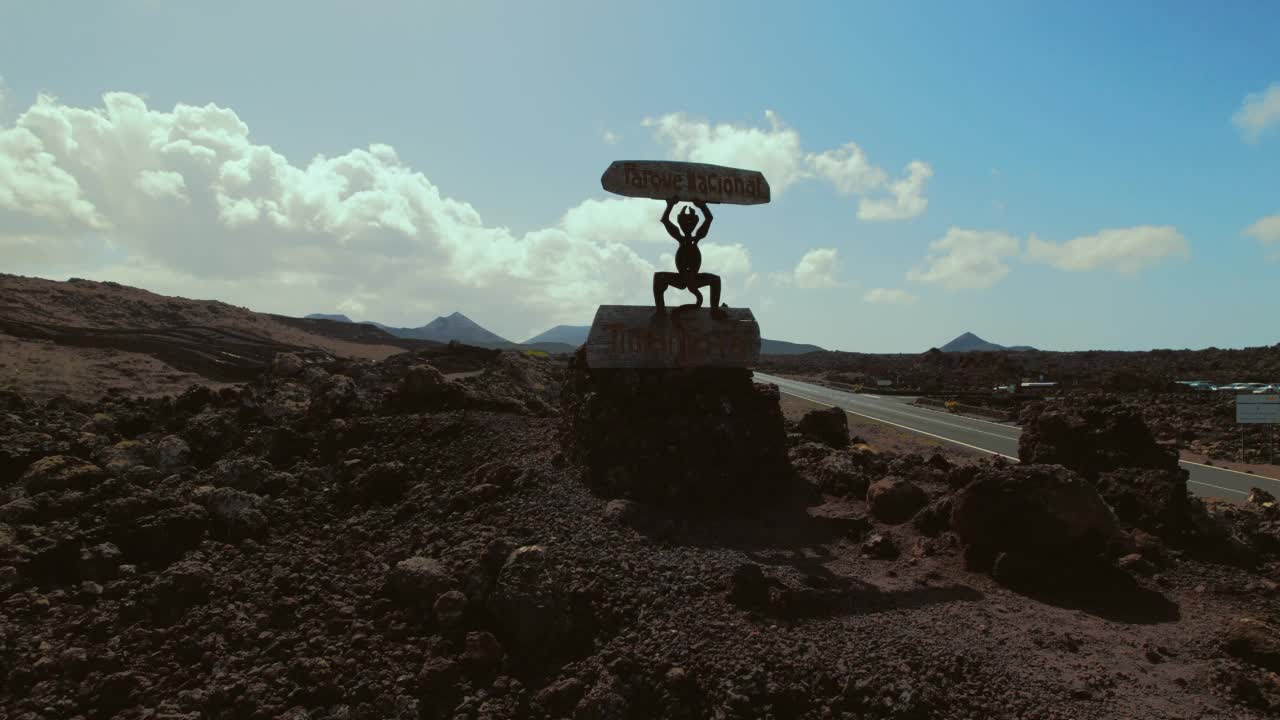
<point x="782" y="347"/>
<point x="969" y="342"/>
<point x="457" y="327"/>
<point x="574" y="335"/>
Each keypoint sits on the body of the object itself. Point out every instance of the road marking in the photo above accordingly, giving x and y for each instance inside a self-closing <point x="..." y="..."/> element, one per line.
<point x="912" y="415"/>
<point x="1238" y="492"/>
<point x="904" y="427"/>
<point x="869" y="395"/>
<point x="1215" y="467"/>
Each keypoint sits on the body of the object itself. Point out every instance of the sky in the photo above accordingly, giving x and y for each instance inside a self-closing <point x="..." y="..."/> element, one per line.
<point x="1069" y="176"/>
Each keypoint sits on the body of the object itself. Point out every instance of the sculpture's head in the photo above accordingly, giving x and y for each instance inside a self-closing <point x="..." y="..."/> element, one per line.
<point x="688" y="220"/>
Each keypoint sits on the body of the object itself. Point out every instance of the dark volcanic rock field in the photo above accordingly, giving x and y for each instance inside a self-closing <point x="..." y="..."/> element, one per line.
<point x="375" y="540"/>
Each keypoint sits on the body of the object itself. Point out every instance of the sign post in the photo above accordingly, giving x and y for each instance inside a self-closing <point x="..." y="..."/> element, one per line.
<point x="1257" y="410"/>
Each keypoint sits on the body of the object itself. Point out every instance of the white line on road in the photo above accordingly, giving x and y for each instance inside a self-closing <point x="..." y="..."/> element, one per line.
<point x="1215" y="467"/>
<point x="904" y="427"/>
<point x="1233" y="490"/>
<point x="872" y="396"/>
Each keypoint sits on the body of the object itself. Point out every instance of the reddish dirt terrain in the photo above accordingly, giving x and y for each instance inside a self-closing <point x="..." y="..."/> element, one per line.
<point x="346" y="538"/>
<point x="83" y="338"/>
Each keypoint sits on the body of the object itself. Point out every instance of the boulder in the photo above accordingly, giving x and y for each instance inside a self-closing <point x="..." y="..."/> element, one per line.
<point x="163" y="535"/>
<point x="424" y="385"/>
<point x="421" y="580"/>
<point x="529" y="602"/>
<point x="287" y="364"/>
<point x="61" y="472"/>
<point x="236" y="515"/>
<point x="172" y="453"/>
<point x="1254" y="641"/>
<point x="100" y="563"/>
<point x="483" y="651"/>
<point x="119" y="458"/>
<point x="245" y="474"/>
<point x="385" y="482"/>
<point x="335" y="396"/>
<point x="1099" y="437"/>
<point x="829" y="426"/>
<point x="1045" y="510"/>
<point x="450" y="608"/>
<point x="748" y="587"/>
<point x="894" y="500"/>
<point x="880" y="546"/>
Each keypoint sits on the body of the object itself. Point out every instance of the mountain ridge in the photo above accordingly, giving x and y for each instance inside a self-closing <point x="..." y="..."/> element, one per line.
<point x="969" y="342"/>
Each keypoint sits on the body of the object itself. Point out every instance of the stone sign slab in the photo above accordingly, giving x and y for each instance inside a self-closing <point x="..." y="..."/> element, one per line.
<point x="660" y="179"/>
<point x="638" y="336"/>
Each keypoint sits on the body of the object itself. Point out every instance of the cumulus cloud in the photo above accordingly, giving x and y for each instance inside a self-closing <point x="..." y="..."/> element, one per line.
<point x="1267" y="232"/>
<point x="777" y="152"/>
<point x="1122" y="250"/>
<point x="1258" y="113"/>
<point x="610" y="137"/>
<point x="966" y="259"/>
<point x="817" y="269"/>
<point x="890" y="296"/>
<point x="906" y="199"/>
<point x="186" y="202"/>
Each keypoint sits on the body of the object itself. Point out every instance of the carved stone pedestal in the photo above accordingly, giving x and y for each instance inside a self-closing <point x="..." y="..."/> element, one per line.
<point x="673" y="433"/>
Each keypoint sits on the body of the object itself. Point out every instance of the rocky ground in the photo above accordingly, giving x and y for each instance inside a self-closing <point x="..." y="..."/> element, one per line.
<point x="374" y="540"/>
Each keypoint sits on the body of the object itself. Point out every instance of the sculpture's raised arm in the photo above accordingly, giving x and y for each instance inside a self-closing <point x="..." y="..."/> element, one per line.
<point x="672" y="230"/>
<point x="707" y="218"/>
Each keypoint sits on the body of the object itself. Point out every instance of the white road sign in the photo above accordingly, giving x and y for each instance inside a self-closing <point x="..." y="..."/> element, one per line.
<point x="1258" y="408"/>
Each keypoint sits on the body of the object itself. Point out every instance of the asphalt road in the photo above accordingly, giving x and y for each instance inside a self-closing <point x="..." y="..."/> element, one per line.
<point x="992" y="437"/>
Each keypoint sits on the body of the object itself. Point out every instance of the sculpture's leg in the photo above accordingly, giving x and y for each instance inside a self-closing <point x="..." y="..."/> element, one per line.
<point x="662" y="281"/>
<point x="714" y="282"/>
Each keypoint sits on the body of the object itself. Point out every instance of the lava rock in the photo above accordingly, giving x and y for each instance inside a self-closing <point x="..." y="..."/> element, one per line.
<point x="829" y="426"/>
<point x="894" y="500"/>
<point x="450" y="608"/>
<point x="61" y="472"/>
<point x="1255" y="642"/>
<point x="420" y="580"/>
<point x="529" y="603"/>
<point x="236" y="515"/>
<point x="1037" y="509"/>
<point x="748" y="587"/>
<point x="172" y="453"/>
<point x="118" y="458"/>
<point x="382" y="482"/>
<point x="880" y="546"/>
<point x="100" y="562"/>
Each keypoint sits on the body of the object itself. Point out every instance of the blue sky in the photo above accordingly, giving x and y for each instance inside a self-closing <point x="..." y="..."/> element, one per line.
<point x="1062" y="122"/>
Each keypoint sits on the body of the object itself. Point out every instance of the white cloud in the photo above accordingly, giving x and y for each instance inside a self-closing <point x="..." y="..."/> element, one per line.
<point x="890" y="296"/>
<point x="1267" y="232"/>
<point x="1259" y="112"/>
<point x="848" y="170"/>
<point x="907" y="199"/>
<point x="774" y="151"/>
<point x="185" y="202"/>
<point x="817" y="269"/>
<point x="609" y="137"/>
<point x="630" y="221"/>
<point x="966" y="259"/>
<point x="777" y="152"/>
<point x="1122" y="250"/>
